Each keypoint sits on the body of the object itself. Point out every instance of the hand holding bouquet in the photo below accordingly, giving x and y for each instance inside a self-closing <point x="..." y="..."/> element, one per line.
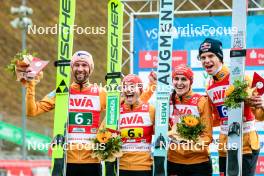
<point x="26" y="67"/>
<point x="110" y="144"/>
<point x="236" y="93"/>
<point x="190" y="127"/>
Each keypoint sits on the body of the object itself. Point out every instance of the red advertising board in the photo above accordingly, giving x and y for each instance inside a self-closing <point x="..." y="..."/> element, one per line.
<point x="255" y="57"/>
<point x="149" y="59"/>
<point x="23" y="167"/>
<point x="260" y="165"/>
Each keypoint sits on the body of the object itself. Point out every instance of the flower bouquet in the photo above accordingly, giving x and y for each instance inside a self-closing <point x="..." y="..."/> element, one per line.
<point x="22" y="59"/>
<point x="26" y="66"/>
<point x="190" y="127"/>
<point x="236" y="93"/>
<point x="110" y="144"/>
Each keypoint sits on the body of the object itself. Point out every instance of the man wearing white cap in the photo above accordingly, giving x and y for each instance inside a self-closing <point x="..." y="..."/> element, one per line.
<point x="79" y="160"/>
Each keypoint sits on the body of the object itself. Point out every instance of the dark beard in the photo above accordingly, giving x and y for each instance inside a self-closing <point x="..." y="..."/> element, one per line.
<point x="81" y="81"/>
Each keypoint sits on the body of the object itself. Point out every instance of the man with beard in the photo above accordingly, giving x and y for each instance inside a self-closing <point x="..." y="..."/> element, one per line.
<point x="79" y="160"/>
<point x="211" y="57"/>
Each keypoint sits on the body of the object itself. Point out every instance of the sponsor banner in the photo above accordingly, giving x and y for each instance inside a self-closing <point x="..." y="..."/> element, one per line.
<point x="260" y="165"/>
<point x="149" y="59"/>
<point x="81" y="129"/>
<point x="255" y="57"/>
<point x="80" y="138"/>
<point x="112" y="106"/>
<point x="188" y="33"/>
<point x="134" y="119"/>
<point x="25" y="168"/>
<point x="83" y="102"/>
<point x="136" y="147"/>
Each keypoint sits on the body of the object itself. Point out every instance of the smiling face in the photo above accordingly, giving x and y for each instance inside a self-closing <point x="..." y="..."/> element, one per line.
<point x="80" y="71"/>
<point x="210" y="62"/>
<point x="131" y="92"/>
<point x="181" y="85"/>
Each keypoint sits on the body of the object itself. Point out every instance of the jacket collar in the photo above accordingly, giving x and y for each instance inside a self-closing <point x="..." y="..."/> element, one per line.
<point x="132" y="107"/>
<point x="185" y="98"/>
<point x="221" y="74"/>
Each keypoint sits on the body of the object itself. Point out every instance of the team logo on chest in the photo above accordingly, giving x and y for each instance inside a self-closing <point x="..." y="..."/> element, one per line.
<point x="132" y="119"/>
<point x="183" y="110"/>
<point x="217" y="95"/>
<point x="84" y="102"/>
<point x="81" y="102"/>
<point x="186" y="109"/>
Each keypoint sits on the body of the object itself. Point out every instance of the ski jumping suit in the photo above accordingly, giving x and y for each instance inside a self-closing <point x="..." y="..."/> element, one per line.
<point x="182" y="159"/>
<point x="216" y="91"/>
<point x="136" y="125"/>
<point x="87" y="99"/>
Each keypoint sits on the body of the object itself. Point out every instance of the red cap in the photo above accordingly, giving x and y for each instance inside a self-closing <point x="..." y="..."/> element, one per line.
<point x="183" y="70"/>
<point x="133" y="79"/>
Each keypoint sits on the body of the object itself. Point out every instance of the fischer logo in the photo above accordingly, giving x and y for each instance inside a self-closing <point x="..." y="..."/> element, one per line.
<point x="114" y="40"/>
<point x="135" y="119"/>
<point x="65" y="35"/>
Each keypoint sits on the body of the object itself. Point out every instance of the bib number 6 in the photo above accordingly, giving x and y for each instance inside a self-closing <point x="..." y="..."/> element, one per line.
<point x="83" y="119"/>
<point x="79" y="118"/>
<point x="132" y="132"/>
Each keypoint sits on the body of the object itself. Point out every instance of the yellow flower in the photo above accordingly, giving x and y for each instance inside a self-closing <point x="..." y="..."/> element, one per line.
<point x="104" y="136"/>
<point x="229" y="91"/>
<point x="191" y="121"/>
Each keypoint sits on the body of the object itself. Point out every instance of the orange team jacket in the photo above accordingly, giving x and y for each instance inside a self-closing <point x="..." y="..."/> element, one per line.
<point x="198" y="105"/>
<point x="178" y="155"/>
<point x="216" y="92"/>
<point x="95" y="93"/>
<point x="136" y="125"/>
